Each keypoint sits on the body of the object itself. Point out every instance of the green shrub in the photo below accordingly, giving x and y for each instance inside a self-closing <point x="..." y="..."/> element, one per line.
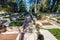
<point x="37" y="28"/>
<point x="16" y="24"/>
<point x="58" y="18"/>
<point x="34" y="22"/>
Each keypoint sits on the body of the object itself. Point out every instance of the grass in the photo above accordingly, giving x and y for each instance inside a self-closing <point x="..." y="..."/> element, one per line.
<point x="58" y="18"/>
<point x="55" y="32"/>
<point x="7" y="17"/>
<point x="16" y="24"/>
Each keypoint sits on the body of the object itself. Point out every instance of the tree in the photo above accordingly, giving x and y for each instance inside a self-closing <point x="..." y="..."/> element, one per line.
<point x="0" y="1"/>
<point x="40" y="7"/>
<point x="58" y="10"/>
<point x="6" y="8"/>
<point x="32" y="8"/>
<point x="12" y="1"/>
<point x="22" y="6"/>
<point x="3" y="2"/>
<point x="45" y="5"/>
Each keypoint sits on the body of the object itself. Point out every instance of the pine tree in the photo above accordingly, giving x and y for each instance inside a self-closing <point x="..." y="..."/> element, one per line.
<point x="22" y="6"/>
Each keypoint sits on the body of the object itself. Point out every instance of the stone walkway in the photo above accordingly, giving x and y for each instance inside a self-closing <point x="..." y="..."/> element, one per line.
<point x="54" y="23"/>
<point x="48" y="26"/>
<point x="47" y="35"/>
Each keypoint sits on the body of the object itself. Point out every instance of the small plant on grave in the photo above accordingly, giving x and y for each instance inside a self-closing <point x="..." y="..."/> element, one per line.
<point x="40" y="36"/>
<point x="34" y="22"/>
<point x="37" y="28"/>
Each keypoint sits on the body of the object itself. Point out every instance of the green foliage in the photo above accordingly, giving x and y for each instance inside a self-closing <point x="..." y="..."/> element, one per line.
<point x="58" y="10"/>
<point x="39" y="17"/>
<point x="22" y="6"/>
<point x="32" y="8"/>
<point x="16" y="24"/>
<point x="37" y="28"/>
<point x="12" y="1"/>
<point x="58" y="18"/>
<point x="10" y="6"/>
<point x="44" y="5"/>
<point x="6" y="8"/>
<point x="34" y="22"/>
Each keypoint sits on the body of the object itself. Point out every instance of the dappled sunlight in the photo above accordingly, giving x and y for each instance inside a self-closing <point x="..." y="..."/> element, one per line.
<point x="29" y="19"/>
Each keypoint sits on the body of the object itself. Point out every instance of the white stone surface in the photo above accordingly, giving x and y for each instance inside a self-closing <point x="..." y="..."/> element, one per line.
<point x="30" y="36"/>
<point x="47" y="35"/>
<point x="10" y="33"/>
